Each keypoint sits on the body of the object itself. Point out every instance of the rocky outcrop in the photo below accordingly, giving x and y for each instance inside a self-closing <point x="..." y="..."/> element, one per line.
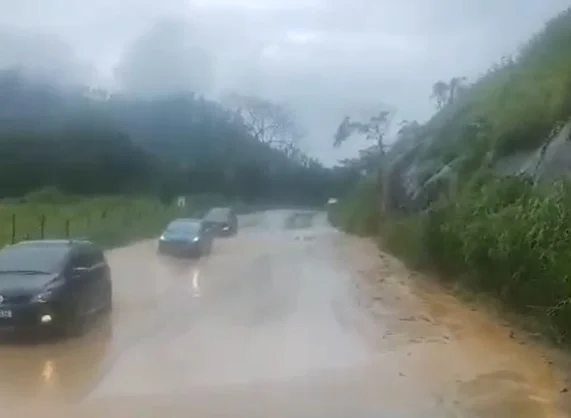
<point x="415" y="178"/>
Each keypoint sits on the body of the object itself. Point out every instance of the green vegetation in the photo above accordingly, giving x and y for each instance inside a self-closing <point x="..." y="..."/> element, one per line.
<point x="507" y="236"/>
<point x="503" y="237"/>
<point x="516" y="104"/>
<point x="357" y="212"/>
<point x="110" y="221"/>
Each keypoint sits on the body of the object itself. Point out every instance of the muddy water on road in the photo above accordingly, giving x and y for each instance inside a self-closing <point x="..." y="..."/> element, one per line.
<point x="288" y="319"/>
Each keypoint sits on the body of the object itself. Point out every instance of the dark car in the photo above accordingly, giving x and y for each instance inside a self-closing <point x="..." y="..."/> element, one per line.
<point x="222" y="221"/>
<point x="185" y="237"/>
<point x="53" y="284"/>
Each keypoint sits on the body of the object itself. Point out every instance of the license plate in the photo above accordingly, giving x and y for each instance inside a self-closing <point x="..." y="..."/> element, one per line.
<point x="5" y="313"/>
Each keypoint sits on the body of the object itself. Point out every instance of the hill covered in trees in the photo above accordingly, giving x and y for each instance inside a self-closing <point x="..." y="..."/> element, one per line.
<point x="86" y="142"/>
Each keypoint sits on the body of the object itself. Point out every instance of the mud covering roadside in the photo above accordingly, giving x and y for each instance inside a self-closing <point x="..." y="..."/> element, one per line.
<point x="474" y="358"/>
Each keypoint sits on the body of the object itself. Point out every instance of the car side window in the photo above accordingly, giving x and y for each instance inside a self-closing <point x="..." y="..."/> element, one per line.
<point x="80" y="259"/>
<point x="96" y="255"/>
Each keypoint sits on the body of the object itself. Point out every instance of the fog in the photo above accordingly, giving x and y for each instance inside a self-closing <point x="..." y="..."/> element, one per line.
<point x="324" y="58"/>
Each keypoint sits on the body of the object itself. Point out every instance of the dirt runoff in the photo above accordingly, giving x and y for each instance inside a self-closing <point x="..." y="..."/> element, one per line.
<point x="290" y="318"/>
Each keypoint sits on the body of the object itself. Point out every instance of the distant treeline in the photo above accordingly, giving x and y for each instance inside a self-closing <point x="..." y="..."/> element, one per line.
<point x="167" y="146"/>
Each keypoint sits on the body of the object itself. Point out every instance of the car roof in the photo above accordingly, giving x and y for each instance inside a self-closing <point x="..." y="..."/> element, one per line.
<point x="54" y="242"/>
<point x="61" y="246"/>
<point x="218" y="213"/>
<point x="221" y="210"/>
<point x="185" y="220"/>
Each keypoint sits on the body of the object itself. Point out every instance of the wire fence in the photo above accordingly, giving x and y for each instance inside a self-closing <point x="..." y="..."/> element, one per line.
<point x="107" y="225"/>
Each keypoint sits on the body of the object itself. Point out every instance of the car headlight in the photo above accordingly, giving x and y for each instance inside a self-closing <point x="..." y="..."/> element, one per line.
<point x="42" y="297"/>
<point x="162" y="238"/>
<point x="196" y="239"/>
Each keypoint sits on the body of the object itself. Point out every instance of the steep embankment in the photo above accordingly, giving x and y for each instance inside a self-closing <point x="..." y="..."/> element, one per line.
<point x="512" y="119"/>
<point x="474" y="192"/>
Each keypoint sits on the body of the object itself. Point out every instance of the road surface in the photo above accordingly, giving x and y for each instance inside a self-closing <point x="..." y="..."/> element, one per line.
<point x="288" y="319"/>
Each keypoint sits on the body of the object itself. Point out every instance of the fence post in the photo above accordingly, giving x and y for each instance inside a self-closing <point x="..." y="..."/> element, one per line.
<point x="13" y="228"/>
<point x="67" y="228"/>
<point x="42" y="226"/>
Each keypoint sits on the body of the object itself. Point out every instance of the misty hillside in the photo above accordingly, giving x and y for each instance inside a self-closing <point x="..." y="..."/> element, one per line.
<point x="507" y="120"/>
<point x="82" y="143"/>
<point x="27" y="106"/>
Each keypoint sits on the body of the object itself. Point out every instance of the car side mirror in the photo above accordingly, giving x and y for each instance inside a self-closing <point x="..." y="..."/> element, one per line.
<point x="77" y="272"/>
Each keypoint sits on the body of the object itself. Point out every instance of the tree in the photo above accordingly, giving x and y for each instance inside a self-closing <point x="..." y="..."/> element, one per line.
<point x="409" y="129"/>
<point x="456" y="87"/>
<point x="366" y="163"/>
<point x="446" y="93"/>
<point x="373" y="129"/>
<point x="440" y="93"/>
<point x="268" y="122"/>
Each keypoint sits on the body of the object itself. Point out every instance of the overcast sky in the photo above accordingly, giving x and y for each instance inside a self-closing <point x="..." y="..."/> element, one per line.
<point x="325" y="58"/>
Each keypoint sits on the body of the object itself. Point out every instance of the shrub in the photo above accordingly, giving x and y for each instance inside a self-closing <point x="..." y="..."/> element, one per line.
<point x="358" y="212"/>
<point x="508" y="238"/>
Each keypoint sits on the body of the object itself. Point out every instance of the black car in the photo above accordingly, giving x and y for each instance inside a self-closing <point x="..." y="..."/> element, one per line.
<point x="185" y="237"/>
<point x="222" y="221"/>
<point x="53" y="284"/>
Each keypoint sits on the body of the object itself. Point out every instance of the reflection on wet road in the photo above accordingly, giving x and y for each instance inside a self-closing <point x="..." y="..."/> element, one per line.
<point x="288" y="319"/>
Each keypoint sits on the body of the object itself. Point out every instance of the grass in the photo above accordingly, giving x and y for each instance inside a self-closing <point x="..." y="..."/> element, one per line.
<point x="109" y="221"/>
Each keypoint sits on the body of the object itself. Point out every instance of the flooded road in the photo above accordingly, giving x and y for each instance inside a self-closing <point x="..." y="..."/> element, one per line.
<point x="290" y="318"/>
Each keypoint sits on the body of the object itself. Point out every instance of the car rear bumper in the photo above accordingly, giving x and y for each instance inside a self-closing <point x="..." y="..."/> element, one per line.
<point x="222" y="230"/>
<point x="178" y="249"/>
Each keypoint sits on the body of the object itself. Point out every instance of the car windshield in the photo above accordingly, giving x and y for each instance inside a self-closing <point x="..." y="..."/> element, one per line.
<point x="32" y="259"/>
<point x="217" y="214"/>
<point x="183" y="227"/>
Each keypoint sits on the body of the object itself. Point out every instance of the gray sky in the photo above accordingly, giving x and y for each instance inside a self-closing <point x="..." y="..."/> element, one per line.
<point x="325" y="58"/>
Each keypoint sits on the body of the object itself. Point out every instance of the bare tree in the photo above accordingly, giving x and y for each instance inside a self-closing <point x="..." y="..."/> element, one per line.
<point x="268" y="122"/>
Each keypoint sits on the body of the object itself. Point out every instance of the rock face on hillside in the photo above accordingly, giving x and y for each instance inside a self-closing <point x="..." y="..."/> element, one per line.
<point x="415" y="179"/>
